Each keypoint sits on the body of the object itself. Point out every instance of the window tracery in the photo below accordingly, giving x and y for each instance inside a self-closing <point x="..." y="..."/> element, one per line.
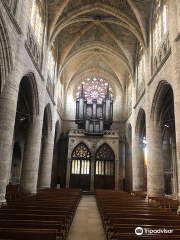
<point x="160" y="22"/>
<point x="141" y="65"/>
<point x="81" y="151"/>
<point x="36" y="19"/>
<point x="129" y="94"/>
<point x="81" y="160"/>
<point x="105" y="160"/>
<point x="51" y="61"/>
<point x="141" y="68"/>
<point x="94" y="88"/>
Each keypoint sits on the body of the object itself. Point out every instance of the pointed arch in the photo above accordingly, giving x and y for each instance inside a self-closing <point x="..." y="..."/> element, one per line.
<point x="105" y="152"/>
<point x="5" y="53"/>
<point x="28" y="96"/>
<point x="156" y="110"/>
<point x="48" y="119"/>
<point x="81" y="151"/>
<point x="140" y="123"/>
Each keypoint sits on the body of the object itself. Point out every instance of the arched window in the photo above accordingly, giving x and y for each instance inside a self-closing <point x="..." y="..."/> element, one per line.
<point x="105" y="160"/>
<point x="81" y="160"/>
<point x="94" y="88"/>
<point x="36" y="19"/>
<point x="13" y="6"/>
<point x="51" y="62"/>
<point x="160" y="22"/>
<point x="141" y="66"/>
<point x="129" y="94"/>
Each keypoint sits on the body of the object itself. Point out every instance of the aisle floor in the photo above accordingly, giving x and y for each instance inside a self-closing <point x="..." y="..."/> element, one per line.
<point x="87" y="223"/>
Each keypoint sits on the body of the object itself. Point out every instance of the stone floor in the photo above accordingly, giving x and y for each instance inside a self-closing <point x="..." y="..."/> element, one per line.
<point x="87" y="223"/>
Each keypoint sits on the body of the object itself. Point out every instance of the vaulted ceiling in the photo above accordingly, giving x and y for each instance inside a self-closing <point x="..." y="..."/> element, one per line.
<point x="98" y="35"/>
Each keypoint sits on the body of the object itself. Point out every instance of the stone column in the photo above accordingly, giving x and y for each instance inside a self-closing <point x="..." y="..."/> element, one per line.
<point x="117" y="174"/>
<point x="45" y="167"/>
<point x="175" y="75"/>
<point x="55" y="164"/>
<point x="68" y="174"/>
<point x="137" y="164"/>
<point x="174" y="164"/>
<point x="128" y="168"/>
<point x="8" y="105"/>
<point x="29" y="174"/>
<point x="92" y="174"/>
<point x="121" y="163"/>
<point x="155" y="170"/>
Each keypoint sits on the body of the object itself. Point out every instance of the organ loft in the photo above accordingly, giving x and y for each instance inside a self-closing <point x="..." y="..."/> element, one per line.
<point x="93" y="162"/>
<point x="94" y="117"/>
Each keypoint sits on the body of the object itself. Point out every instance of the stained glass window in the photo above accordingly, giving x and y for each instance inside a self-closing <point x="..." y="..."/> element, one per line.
<point x="36" y="19"/>
<point x="141" y="69"/>
<point x="95" y="88"/>
<point x="81" y="160"/>
<point x="160" y="22"/>
<point x="105" y="160"/>
<point x="51" y="62"/>
<point x="165" y="19"/>
<point x="129" y="94"/>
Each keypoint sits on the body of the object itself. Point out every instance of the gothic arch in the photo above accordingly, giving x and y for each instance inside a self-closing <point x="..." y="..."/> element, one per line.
<point x="105" y="152"/>
<point x="29" y="91"/>
<point x="48" y="118"/>
<point x="5" y="53"/>
<point x="157" y="103"/>
<point x="140" y="123"/>
<point x="77" y="151"/>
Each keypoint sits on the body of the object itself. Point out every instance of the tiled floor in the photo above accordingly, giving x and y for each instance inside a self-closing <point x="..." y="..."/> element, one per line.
<point x="87" y="223"/>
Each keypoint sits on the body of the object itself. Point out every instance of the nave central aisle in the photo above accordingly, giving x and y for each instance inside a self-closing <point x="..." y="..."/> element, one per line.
<point x="87" y="223"/>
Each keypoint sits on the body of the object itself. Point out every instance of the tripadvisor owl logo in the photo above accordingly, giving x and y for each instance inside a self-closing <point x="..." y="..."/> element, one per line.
<point x="138" y="231"/>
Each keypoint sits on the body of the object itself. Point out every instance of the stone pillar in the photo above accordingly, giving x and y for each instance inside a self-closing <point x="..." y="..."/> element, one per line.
<point x="174" y="164"/>
<point x="30" y="167"/>
<point x="175" y="75"/>
<point x="128" y="168"/>
<point x="92" y="174"/>
<point x="55" y="164"/>
<point x="8" y="105"/>
<point x="137" y="164"/>
<point x="121" y="164"/>
<point x="155" y="170"/>
<point x="68" y="174"/>
<point x="117" y="174"/>
<point x="45" y="167"/>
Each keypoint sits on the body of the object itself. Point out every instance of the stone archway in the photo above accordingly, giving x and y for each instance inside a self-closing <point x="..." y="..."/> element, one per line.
<point x="128" y="161"/>
<point x="160" y="138"/>
<point x="5" y="54"/>
<point x="46" y="156"/>
<point x="138" y="164"/>
<point x="80" y="173"/>
<point x="104" y="168"/>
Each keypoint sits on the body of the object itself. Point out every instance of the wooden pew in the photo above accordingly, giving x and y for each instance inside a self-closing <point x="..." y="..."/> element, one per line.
<point x="117" y="208"/>
<point x="49" y="210"/>
<point x="28" y="234"/>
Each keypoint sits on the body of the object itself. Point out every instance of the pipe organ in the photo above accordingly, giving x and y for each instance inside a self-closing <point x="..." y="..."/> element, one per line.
<point x="94" y="117"/>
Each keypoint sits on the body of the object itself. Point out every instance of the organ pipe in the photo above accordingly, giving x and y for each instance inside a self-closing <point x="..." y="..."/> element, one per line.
<point x="87" y="116"/>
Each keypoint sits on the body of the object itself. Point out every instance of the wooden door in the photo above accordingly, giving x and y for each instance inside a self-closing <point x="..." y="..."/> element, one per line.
<point x="80" y="168"/>
<point x="105" y="168"/>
